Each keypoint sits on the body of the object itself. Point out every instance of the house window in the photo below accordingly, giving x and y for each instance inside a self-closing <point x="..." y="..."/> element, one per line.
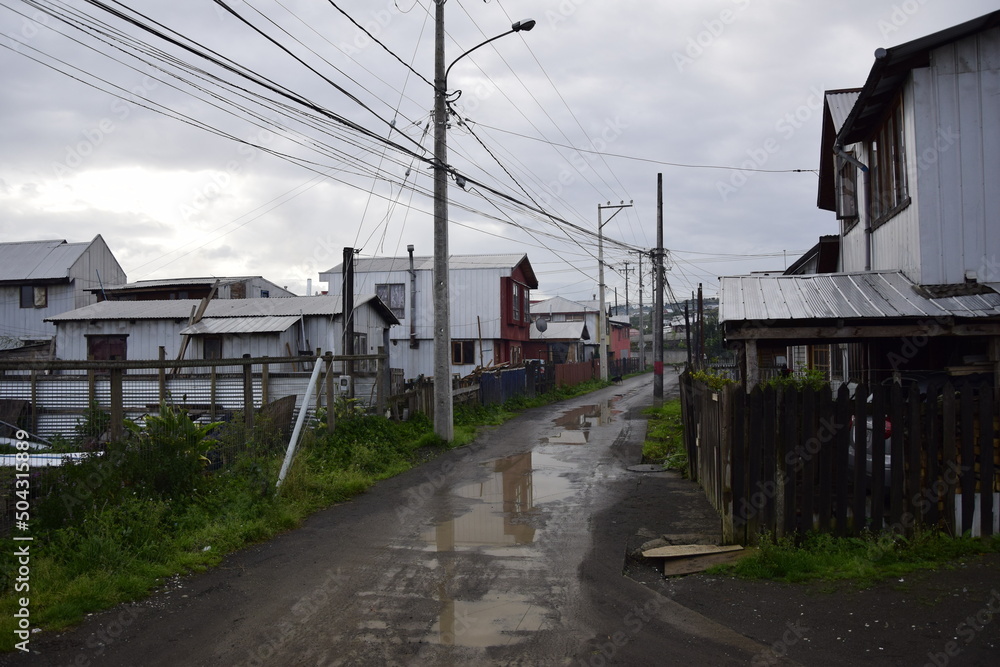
<point x="211" y="347"/>
<point x="463" y="352"/>
<point x="266" y="294"/>
<point x="888" y="162"/>
<point x="847" y="191"/>
<point x="394" y="296"/>
<point x="819" y="358"/>
<point x="516" y="300"/>
<point x="34" y="296"/>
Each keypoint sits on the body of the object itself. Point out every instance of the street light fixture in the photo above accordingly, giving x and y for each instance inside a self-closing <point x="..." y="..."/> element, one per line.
<point x="443" y="409"/>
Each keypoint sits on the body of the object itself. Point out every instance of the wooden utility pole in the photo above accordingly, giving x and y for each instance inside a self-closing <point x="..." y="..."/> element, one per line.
<point x="658" y="296"/>
<point x="602" y="325"/>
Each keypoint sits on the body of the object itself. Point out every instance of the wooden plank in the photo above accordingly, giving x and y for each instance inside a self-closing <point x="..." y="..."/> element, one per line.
<point x="896" y="465"/>
<point x="878" y="458"/>
<point x="736" y="505"/>
<point x="912" y="446"/>
<point x="820" y="335"/>
<point x="754" y="496"/>
<point x="860" y="452"/>
<point x="769" y="461"/>
<point x="675" y="567"/>
<point x="932" y="429"/>
<point x="825" y="435"/>
<point x="949" y="464"/>
<point x="968" y="454"/>
<point x="987" y="469"/>
<point x="841" y="441"/>
<point x="789" y="460"/>
<point x="682" y="550"/>
<point x="808" y="442"/>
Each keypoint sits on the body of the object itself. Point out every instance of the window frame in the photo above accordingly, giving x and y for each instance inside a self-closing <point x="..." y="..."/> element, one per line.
<point x="887" y="161"/>
<point x="463" y="352"/>
<point x="30" y="296"/>
<point x="384" y="291"/>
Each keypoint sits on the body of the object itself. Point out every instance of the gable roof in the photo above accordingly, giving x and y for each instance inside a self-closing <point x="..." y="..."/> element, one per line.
<point x="180" y="309"/>
<point x="559" y="304"/>
<point x="837" y="105"/>
<point x="39" y="261"/>
<point x="455" y="263"/>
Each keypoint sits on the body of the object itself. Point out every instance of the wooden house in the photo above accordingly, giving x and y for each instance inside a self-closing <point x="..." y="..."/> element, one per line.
<point x="909" y="165"/>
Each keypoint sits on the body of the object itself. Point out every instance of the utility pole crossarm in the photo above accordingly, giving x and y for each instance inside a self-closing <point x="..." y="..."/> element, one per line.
<point x="602" y="347"/>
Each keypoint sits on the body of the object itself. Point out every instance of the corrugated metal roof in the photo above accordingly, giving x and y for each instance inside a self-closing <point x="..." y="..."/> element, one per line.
<point x="840" y="104"/>
<point x="455" y="262"/>
<point x="178" y="282"/>
<point x="561" y="331"/>
<point x="872" y="295"/>
<point x="38" y="260"/>
<point x="181" y="308"/>
<point x="240" y="325"/>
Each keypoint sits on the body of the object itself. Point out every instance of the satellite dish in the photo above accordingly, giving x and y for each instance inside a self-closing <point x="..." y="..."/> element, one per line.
<point x="541" y="324"/>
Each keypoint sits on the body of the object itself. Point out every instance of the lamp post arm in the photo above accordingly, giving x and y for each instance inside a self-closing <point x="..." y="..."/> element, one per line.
<point x="491" y="39"/>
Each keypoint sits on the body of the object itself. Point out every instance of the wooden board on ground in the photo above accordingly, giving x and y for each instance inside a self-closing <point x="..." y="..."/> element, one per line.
<point x="681" y="550"/>
<point x="673" y="567"/>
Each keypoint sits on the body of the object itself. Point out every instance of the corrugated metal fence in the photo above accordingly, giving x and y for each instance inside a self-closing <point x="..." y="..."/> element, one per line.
<point x="50" y="398"/>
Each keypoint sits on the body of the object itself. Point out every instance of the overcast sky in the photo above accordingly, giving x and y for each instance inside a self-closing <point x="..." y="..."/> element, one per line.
<point x="632" y="84"/>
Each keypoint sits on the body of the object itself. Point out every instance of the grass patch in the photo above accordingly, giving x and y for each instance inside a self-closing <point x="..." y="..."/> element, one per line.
<point x="665" y="437"/>
<point x="863" y="561"/>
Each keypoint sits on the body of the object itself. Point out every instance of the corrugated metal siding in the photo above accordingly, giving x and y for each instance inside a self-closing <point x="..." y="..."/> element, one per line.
<point x="958" y="106"/>
<point x="141" y="395"/>
<point x="840" y="105"/>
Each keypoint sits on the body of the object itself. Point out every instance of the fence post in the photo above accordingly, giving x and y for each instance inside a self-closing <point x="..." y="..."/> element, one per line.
<point x="34" y="401"/>
<point x="248" y="394"/>
<point x="948" y="457"/>
<point x="331" y="412"/>
<point x="212" y="393"/>
<point x="117" y="407"/>
<point x="986" y="466"/>
<point x="381" y="379"/>
<point x="162" y="373"/>
<point x="265" y="383"/>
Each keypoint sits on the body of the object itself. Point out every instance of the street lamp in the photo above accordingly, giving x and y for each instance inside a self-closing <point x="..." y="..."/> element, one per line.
<point x="443" y="408"/>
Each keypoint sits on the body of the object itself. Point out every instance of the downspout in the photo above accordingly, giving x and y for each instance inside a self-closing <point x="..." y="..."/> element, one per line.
<point x="866" y="187"/>
<point x="414" y="343"/>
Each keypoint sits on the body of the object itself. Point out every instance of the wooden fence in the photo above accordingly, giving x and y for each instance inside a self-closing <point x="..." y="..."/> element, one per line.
<point x="790" y="461"/>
